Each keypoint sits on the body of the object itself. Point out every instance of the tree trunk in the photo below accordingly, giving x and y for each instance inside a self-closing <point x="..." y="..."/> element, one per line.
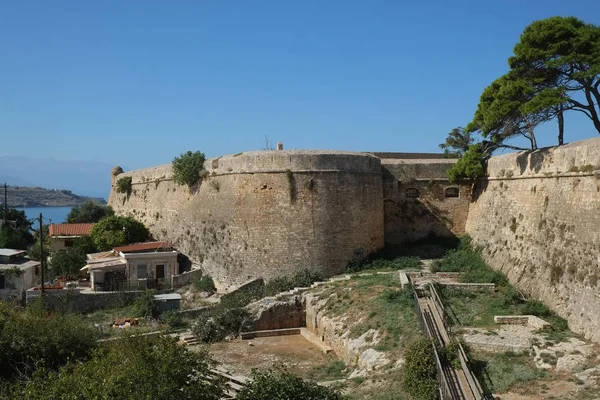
<point x="561" y="125"/>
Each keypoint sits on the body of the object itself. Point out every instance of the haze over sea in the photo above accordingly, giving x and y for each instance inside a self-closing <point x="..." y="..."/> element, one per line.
<point x="56" y="215"/>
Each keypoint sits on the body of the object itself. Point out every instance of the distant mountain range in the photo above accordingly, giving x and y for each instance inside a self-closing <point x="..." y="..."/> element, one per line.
<point x="27" y="196"/>
<point x="86" y="178"/>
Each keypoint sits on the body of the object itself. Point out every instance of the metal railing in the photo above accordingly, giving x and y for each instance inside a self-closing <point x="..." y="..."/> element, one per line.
<point x="447" y="386"/>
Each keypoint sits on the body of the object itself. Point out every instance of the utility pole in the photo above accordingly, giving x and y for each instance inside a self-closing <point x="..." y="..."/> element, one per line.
<point x="42" y="257"/>
<point x="5" y="205"/>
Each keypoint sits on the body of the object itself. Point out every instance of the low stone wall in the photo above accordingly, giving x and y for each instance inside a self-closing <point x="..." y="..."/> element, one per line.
<point x="530" y="320"/>
<point x="72" y="300"/>
<point x="186" y="278"/>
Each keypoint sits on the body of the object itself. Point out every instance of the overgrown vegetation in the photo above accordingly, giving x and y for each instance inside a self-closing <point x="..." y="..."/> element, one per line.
<point x="68" y="263"/>
<point x="117" y="231"/>
<point x="228" y="317"/>
<point x="474" y="308"/>
<point x="145" y="305"/>
<point x="124" y="185"/>
<point x="420" y="372"/>
<point x="380" y="263"/>
<point x="278" y="383"/>
<point x="35" y="341"/>
<point x="89" y="212"/>
<point x="204" y="284"/>
<point x="187" y="167"/>
<point x="500" y="372"/>
<point x="131" y="368"/>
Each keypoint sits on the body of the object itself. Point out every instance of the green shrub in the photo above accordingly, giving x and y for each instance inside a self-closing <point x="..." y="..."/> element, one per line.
<point x="132" y="368"/>
<point x="420" y="371"/>
<point x="278" y="383"/>
<point x="36" y="339"/>
<point x="187" y="167"/>
<point x="377" y="262"/>
<point x="171" y="318"/>
<point x="115" y="230"/>
<point x="219" y="323"/>
<point x="535" y="307"/>
<point x="302" y="278"/>
<point x="205" y="284"/>
<point x="145" y="305"/>
<point x="124" y="185"/>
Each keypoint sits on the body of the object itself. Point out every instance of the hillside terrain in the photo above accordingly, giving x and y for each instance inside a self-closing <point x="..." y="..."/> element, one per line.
<point x="24" y="196"/>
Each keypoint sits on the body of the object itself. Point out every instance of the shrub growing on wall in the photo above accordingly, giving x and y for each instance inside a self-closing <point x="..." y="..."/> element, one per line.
<point x="187" y="167"/>
<point x="124" y="185"/>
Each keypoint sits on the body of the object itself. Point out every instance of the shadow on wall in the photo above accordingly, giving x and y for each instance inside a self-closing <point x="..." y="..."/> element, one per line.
<point x="410" y="220"/>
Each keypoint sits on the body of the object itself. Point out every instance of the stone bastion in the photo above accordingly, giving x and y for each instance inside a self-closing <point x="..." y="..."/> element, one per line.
<point x="264" y="214"/>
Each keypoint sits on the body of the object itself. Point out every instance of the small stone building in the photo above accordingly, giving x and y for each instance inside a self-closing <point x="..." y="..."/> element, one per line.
<point x="17" y="273"/>
<point x="133" y="267"/>
<point x="63" y="236"/>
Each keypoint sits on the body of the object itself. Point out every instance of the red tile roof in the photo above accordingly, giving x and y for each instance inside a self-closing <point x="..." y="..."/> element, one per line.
<point x="70" y="229"/>
<point x="150" y="246"/>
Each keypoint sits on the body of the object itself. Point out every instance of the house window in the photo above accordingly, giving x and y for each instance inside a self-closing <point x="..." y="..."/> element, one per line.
<point x="2" y="282"/>
<point x="451" y="192"/>
<point x="412" y="193"/>
<point x="69" y="242"/>
<point x="160" y="271"/>
<point x="142" y="270"/>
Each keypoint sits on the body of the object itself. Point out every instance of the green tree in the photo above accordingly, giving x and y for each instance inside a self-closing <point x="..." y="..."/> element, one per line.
<point x="457" y="142"/>
<point x="36" y="339"/>
<point x="187" y="167"/>
<point x="277" y="383"/>
<point x="503" y="113"/>
<point x="16" y="234"/>
<point x="420" y="371"/>
<point x="68" y="263"/>
<point x="117" y="231"/>
<point x="90" y="211"/>
<point x="471" y="165"/>
<point x="131" y="368"/>
<point x="560" y="58"/>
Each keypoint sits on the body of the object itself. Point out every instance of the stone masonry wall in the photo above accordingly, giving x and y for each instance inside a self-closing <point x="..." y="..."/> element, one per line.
<point x="538" y="219"/>
<point x="264" y="214"/>
<point x="431" y="213"/>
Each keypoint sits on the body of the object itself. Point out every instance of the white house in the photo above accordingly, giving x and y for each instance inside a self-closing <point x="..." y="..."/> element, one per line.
<point x="133" y="267"/>
<point x="17" y="273"/>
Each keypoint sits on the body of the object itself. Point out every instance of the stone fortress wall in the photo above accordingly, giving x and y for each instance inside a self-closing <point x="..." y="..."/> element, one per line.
<point x="264" y="214"/>
<point x="537" y="217"/>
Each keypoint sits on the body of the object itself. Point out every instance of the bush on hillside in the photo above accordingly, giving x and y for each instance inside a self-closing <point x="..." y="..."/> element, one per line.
<point x="145" y="305"/>
<point x="132" y="368"/>
<point x="36" y="339"/>
<point x="420" y="371"/>
<point x="278" y="383"/>
<point x="205" y="284"/>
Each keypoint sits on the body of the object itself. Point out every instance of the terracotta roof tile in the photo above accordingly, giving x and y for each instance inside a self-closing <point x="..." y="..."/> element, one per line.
<point x="150" y="246"/>
<point x="70" y="229"/>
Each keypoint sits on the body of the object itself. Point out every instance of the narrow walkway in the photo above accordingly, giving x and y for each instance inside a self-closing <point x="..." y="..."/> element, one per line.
<point x="454" y="383"/>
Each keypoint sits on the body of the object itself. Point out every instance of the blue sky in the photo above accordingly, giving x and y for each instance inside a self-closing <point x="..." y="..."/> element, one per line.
<point x="137" y="82"/>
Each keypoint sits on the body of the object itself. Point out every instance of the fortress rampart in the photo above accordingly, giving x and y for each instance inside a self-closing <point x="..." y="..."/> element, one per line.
<point x="265" y="213"/>
<point x="537" y="217"/>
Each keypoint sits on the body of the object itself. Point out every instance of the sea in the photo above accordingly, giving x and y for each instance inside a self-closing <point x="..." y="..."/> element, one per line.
<point x="54" y="215"/>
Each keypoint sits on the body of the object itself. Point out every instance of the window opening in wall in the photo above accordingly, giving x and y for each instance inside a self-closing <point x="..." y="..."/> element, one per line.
<point x="142" y="270"/>
<point x="451" y="192"/>
<point x="69" y="242"/>
<point x="412" y="193"/>
<point x="160" y="271"/>
<point x="2" y="282"/>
